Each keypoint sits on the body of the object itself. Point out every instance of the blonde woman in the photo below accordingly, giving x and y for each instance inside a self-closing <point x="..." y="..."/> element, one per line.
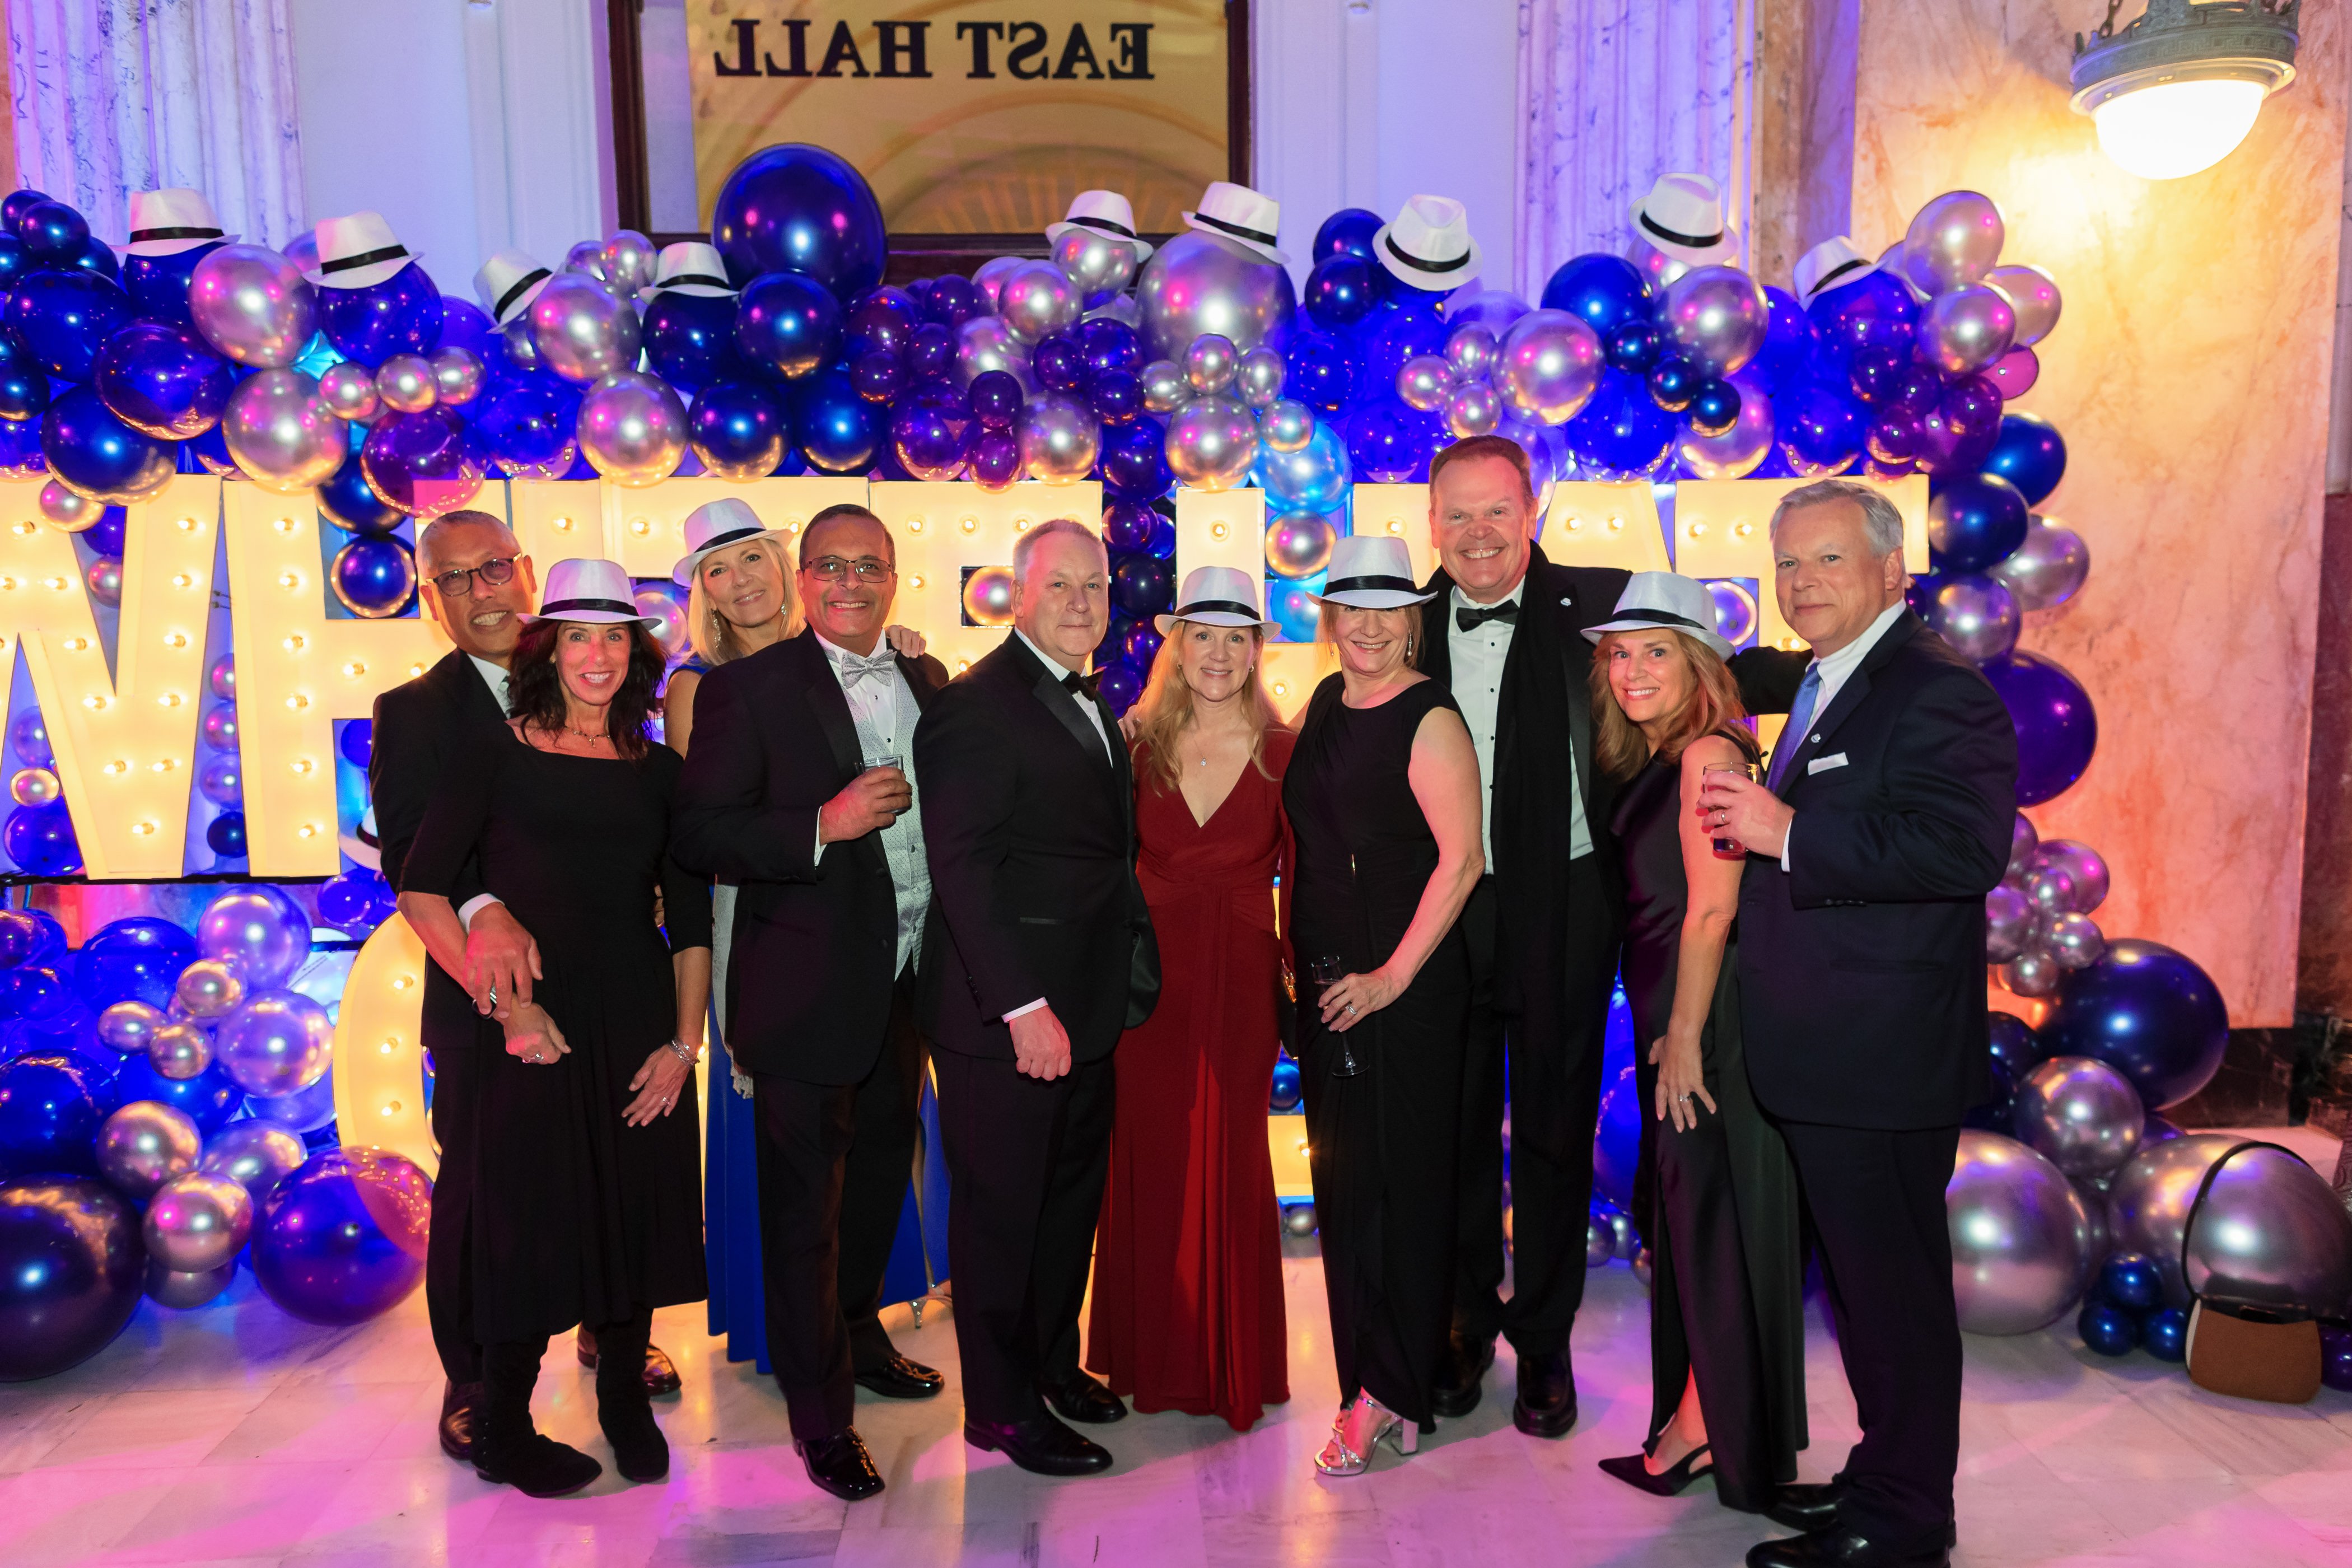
<point x="1187" y="1310"/>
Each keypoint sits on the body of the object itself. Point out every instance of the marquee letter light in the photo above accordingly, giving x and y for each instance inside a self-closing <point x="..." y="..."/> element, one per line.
<point x="379" y="1062"/>
<point x="125" y="743"/>
<point x="941" y="529"/>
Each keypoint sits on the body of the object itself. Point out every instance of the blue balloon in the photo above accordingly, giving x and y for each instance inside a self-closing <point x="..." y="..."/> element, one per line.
<point x="97" y="259"/>
<point x="2107" y="1330"/>
<point x="355" y="740"/>
<point x="2131" y="1281"/>
<point x="466" y="325"/>
<point x="52" y="234"/>
<point x="30" y="738"/>
<point x="1789" y="344"/>
<point x="20" y="450"/>
<point x="738" y="430"/>
<point x="342" y="1238"/>
<point x="2164" y="1334"/>
<point x="1622" y="433"/>
<point x="1974" y="523"/>
<point x="1342" y="290"/>
<point x="24" y="385"/>
<point x="1291" y="605"/>
<point x="1138" y="643"/>
<point x="12" y="262"/>
<point x="1143" y="585"/>
<point x="50" y="1107"/>
<point x="2030" y="453"/>
<point x="350" y="901"/>
<point x="107" y="535"/>
<point x="1109" y="344"/>
<point x="1672" y="382"/>
<point x="36" y="993"/>
<point x="881" y="321"/>
<point x="1319" y="372"/>
<point x="373" y="576"/>
<point x="798" y="208"/>
<point x="788" y="324"/>
<point x="163" y="381"/>
<point x="2015" y="1044"/>
<point x="208" y="1099"/>
<point x="1134" y="460"/>
<point x="1315" y="477"/>
<point x="1874" y="311"/>
<point x="529" y="425"/>
<point x="305" y="1109"/>
<point x="40" y="840"/>
<point x="153" y="935"/>
<point x="1617" y="1150"/>
<point x="401" y="315"/>
<point x="350" y="504"/>
<point x="1634" y="345"/>
<point x="1389" y="338"/>
<point x="691" y="338"/>
<point x="16" y="205"/>
<point x="2334" y="1354"/>
<point x="140" y="957"/>
<point x="158" y="285"/>
<point x="2147" y="1012"/>
<point x="1117" y="396"/>
<point x="94" y="454"/>
<point x="2057" y="729"/>
<point x="225" y="834"/>
<point x="839" y="431"/>
<point x="1348" y="232"/>
<point x="73" y="1267"/>
<point x="21" y="936"/>
<point x="64" y="318"/>
<point x="1386" y="440"/>
<point x="1286" y="1093"/>
<point x="1606" y="291"/>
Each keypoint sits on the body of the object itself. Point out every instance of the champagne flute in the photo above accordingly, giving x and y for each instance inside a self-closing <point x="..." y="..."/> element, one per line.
<point x="1323" y="974"/>
<point x="1727" y="848"/>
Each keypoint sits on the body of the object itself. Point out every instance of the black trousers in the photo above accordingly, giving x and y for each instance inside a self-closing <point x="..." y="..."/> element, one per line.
<point x="1027" y="1161"/>
<point x="448" y="1252"/>
<point x="834" y="1161"/>
<point x="1877" y="1202"/>
<point x="1555" y="1107"/>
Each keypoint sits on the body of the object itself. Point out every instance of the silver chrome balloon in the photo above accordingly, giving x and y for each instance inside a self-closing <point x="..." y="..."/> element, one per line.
<point x="1258" y="377"/>
<point x="277" y="1043"/>
<point x="632" y="428"/>
<point x="630" y="262"/>
<point x="1211" y="362"/>
<point x="1424" y="381"/>
<point x="2050" y="889"/>
<point x="146" y="1143"/>
<point x="1299" y="544"/>
<point x="180" y="1051"/>
<point x="1600" y="1244"/>
<point x="2081" y="1115"/>
<point x="2271" y="1234"/>
<point x="2033" y="972"/>
<point x="1548" y="365"/>
<point x="1954" y="239"/>
<point x="34" y="786"/>
<point x="522" y="349"/>
<point x="585" y="333"/>
<point x="130" y="1024"/>
<point x="460" y="372"/>
<point x="1473" y="408"/>
<point x="1738" y="451"/>
<point x="2009" y="924"/>
<point x="1978" y="616"/>
<point x="406" y="384"/>
<point x="197" y="1223"/>
<point x="989" y="276"/>
<point x="1097" y="262"/>
<point x="1036" y="301"/>
<point x="2048" y="567"/>
<point x="1299" y="1219"/>
<point x="253" y="305"/>
<point x="1164" y="387"/>
<point x="1118" y="307"/>
<point x="1200" y="283"/>
<point x="1654" y="264"/>
<point x="1470" y="349"/>
<point x="2034" y="295"/>
<point x="2075" y="940"/>
<point x="586" y="259"/>
<point x="348" y="390"/>
<point x="1211" y="443"/>
<point x="1716" y="316"/>
<point x="103" y="578"/>
<point x="281" y="433"/>
<point x="2023" y="842"/>
<point x="984" y="344"/>
<point x="2148" y="1202"/>
<point x="169" y="1288"/>
<point x="2083" y="869"/>
<point x="1060" y="437"/>
<point x="1286" y="426"/>
<point x="257" y="1154"/>
<point x="66" y="511"/>
<point x="2021" y="1236"/>
<point x="208" y="988"/>
<point x="1963" y="329"/>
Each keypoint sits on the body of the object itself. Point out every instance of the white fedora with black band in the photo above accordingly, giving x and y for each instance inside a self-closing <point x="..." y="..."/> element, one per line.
<point x="1241" y="215"/>
<point x="1215" y="596"/>
<point x="1106" y="213"/>
<point x="357" y="252"/>
<point x="1683" y="216"/>
<point x="597" y="592"/>
<point x="692" y="267"/>
<point x="1665" y="602"/>
<point x="507" y="283"/>
<point x="1371" y="571"/>
<point x="713" y="526"/>
<point x="1831" y="264"/>
<point x="1427" y="245"/>
<point x="169" y="221"/>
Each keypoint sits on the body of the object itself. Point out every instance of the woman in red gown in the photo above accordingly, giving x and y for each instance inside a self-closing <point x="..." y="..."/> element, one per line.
<point x="1187" y="1310"/>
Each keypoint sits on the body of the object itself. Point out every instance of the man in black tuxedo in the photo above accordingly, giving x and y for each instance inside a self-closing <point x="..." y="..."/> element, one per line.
<point x="1039" y="953"/>
<point x="1544" y="926"/>
<point x="1883" y="822"/>
<point x="797" y="788"/>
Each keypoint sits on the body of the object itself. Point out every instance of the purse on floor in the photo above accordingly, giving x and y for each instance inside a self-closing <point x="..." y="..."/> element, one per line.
<point x="2243" y="1349"/>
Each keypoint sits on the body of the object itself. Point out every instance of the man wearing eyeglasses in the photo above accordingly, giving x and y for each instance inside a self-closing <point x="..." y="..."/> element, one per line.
<point x="800" y="788"/>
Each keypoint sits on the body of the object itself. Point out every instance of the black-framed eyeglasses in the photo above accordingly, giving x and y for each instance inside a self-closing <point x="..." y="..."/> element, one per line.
<point x="832" y="568"/>
<point x="459" y="583"/>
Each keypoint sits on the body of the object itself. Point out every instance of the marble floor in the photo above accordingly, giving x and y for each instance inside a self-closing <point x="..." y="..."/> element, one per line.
<point x="234" y="1435"/>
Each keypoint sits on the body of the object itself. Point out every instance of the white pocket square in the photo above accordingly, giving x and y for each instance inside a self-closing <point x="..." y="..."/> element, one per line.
<point x="1823" y="764"/>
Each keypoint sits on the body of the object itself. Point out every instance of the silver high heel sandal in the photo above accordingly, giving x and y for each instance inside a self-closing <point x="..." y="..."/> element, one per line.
<point x="1359" y="1430"/>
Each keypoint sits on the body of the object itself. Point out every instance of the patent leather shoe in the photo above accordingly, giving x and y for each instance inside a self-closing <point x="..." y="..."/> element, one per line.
<point x="1457" y="1392"/>
<point x="1805" y="1505"/>
<point x="1079" y="1397"/>
<point x="1839" y="1547"/>
<point x="1547" y="1403"/>
<point x="899" y="1378"/>
<point x="840" y="1463"/>
<point x="1633" y="1469"/>
<point x="661" y="1372"/>
<point x="457" y="1402"/>
<point x="1040" y="1445"/>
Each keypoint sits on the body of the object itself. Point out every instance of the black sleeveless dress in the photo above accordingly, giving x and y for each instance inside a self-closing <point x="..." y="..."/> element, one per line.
<point x="1383" y="1142"/>
<point x="1727" y="1299"/>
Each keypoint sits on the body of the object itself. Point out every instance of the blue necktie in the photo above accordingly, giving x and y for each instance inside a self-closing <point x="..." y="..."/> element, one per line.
<point x="1800" y="718"/>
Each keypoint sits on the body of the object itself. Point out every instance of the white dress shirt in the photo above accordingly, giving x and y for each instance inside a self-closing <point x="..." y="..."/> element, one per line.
<point x="498" y="681"/>
<point x="1094" y="716"/>
<point x="1835" y="671"/>
<point x="884" y="714"/>
<point x="1477" y="659"/>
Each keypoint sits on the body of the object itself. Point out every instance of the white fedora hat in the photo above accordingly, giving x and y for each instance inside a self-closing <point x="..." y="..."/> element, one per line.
<point x="357" y="252"/>
<point x="692" y="267"/>
<point x="1427" y="245"/>
<point x="1241" y="215"/>
<point x="592" y="591"/>
<point x="715" y="525"/>
<point x="1831" y="264"/>
<point x="1371" y="572"/>
<point x="1215" y="596"/>
<point x="507" y="283"/>
<point x="169" y="221"/>
<point x="1664" y="601"/>
<point x="1683" y="216"/>
<point x="1106" y="213"/>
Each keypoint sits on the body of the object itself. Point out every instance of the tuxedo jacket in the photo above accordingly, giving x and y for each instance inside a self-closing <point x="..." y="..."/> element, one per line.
<point x="1030" y="822"/>
<point x="423" y="728"/>
<point x="815" y="942"/>
<point x="1861" y="966"/>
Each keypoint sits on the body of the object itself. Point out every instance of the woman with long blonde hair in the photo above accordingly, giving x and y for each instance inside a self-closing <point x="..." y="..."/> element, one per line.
<point x="1187" y="1310"/>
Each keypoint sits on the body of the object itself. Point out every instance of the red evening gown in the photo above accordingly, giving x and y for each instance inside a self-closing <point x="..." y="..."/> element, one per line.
<point x="1187" y="1310"/>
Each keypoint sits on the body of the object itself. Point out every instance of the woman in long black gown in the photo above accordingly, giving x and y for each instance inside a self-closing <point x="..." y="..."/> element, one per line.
<point x="588" y="1185"/>
<point x="1727" y="1349"/>
<point x="1382" y="794"/>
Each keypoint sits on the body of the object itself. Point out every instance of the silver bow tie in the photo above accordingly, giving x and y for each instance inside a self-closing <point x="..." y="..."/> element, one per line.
<point x="855" y="668"/>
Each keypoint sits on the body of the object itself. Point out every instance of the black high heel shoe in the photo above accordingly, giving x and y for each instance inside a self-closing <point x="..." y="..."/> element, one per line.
<point x="1634" y="1471"/>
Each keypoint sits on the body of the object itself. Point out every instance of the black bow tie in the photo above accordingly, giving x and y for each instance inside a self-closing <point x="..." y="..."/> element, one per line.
<point x="1082" y="685"/>
<point x="1470" y="617"/>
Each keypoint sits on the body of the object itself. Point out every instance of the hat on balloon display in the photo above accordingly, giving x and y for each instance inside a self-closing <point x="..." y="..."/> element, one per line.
<point x="1664" y="601"/>
<point x="1428" y="244"/>
<point x="1241" y="215"/>
<point x="594" y="592"/>
<point x="1371" y="572"/>
<point x="169" y="221"/>
<point x="1106" y="213"/>
<point x="1831" y="264"/>
<point x="1215" y="596"/>
<point x="1683" y="217"/>
<point x="715" y="525"/>
<point x="507" y="284"/>
<point x="360" y="846"/>
<point x="357" y="252"/>
<point x="690" y="267"/>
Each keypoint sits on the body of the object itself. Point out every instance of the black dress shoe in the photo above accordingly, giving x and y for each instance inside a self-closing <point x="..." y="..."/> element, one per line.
<point x="1837" y="1547"/>
<point x="1040" y="1445"/>
<point x="1633" y="1469"/>
<point x="536" y="1466"/>
<point x="661" y="1372"/>
<point x="899" y="1378"/>
<point x="840" y="1463"/>
<point x="1547" y="1403"/>
<point x="1080" y="1398"/>
<point x="1805" y="1505"/>
<point x="457" y="1402"/>
<point x="1457" y="1391"/>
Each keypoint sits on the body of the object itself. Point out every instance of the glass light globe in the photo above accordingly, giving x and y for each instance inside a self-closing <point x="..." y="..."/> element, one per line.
<point x="2171" y="129"/>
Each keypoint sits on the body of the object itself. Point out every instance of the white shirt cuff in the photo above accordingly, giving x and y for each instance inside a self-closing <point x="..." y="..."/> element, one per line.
<point x="819" y="856"/>
<point x="474" y="906"/>
<point x="1030" y="1007"/>
<point x="1788" y="840"/>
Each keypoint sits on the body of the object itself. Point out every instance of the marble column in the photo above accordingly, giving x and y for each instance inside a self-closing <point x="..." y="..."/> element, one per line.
<point x="1804" y="130"/>
<point x="2187" y="378"/>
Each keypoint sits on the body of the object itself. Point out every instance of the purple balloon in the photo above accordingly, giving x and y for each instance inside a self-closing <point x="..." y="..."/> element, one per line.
<point x="1818" y="429"/>
<point x="423" y="463"/>
<point x="690" y="339"/>
<point x="1878" y="374"/>
<point x="64" y="318"/>
<point x="1873" y="310"/>
<point x="1129" y="525"/>
<point x="1135" y="459"/>
<point x="1059" y="363"/>
<point x="401" y="315"/>
<point x="951" y="301"/>
<point x="883" y="322"/>
<point x="158" y="285"/>
<point x="879" y="376"/>
<point x="930" y="442"/>
<point x="466" y="325"/>
<point x="996" y="398"/>
<point x="1790" y="342"/>
<point x="2057" y="729"/>
<point x="788" y="324"/>
<point x="995" y="458"/>
<point x="529" y="425"/>
<point x="342" y="1238"/>
<point x="95" y="454"/>
<point x="932" y="351"/>
<point x="1116" y="396"/>
<point x="163" y="380"/>
<point x="803" y="209"/>
<point x="1109" y="345"/>
<point x="1958" y="435"/>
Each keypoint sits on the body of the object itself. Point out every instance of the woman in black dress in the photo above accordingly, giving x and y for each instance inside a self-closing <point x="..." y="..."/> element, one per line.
<point x="588" y="1206"/>
<point x="1727" y="1351"/>
<point x="1383" y="795"/>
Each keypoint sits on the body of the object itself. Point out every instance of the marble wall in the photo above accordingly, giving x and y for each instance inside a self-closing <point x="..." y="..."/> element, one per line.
<point x="2188" y="375"/>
